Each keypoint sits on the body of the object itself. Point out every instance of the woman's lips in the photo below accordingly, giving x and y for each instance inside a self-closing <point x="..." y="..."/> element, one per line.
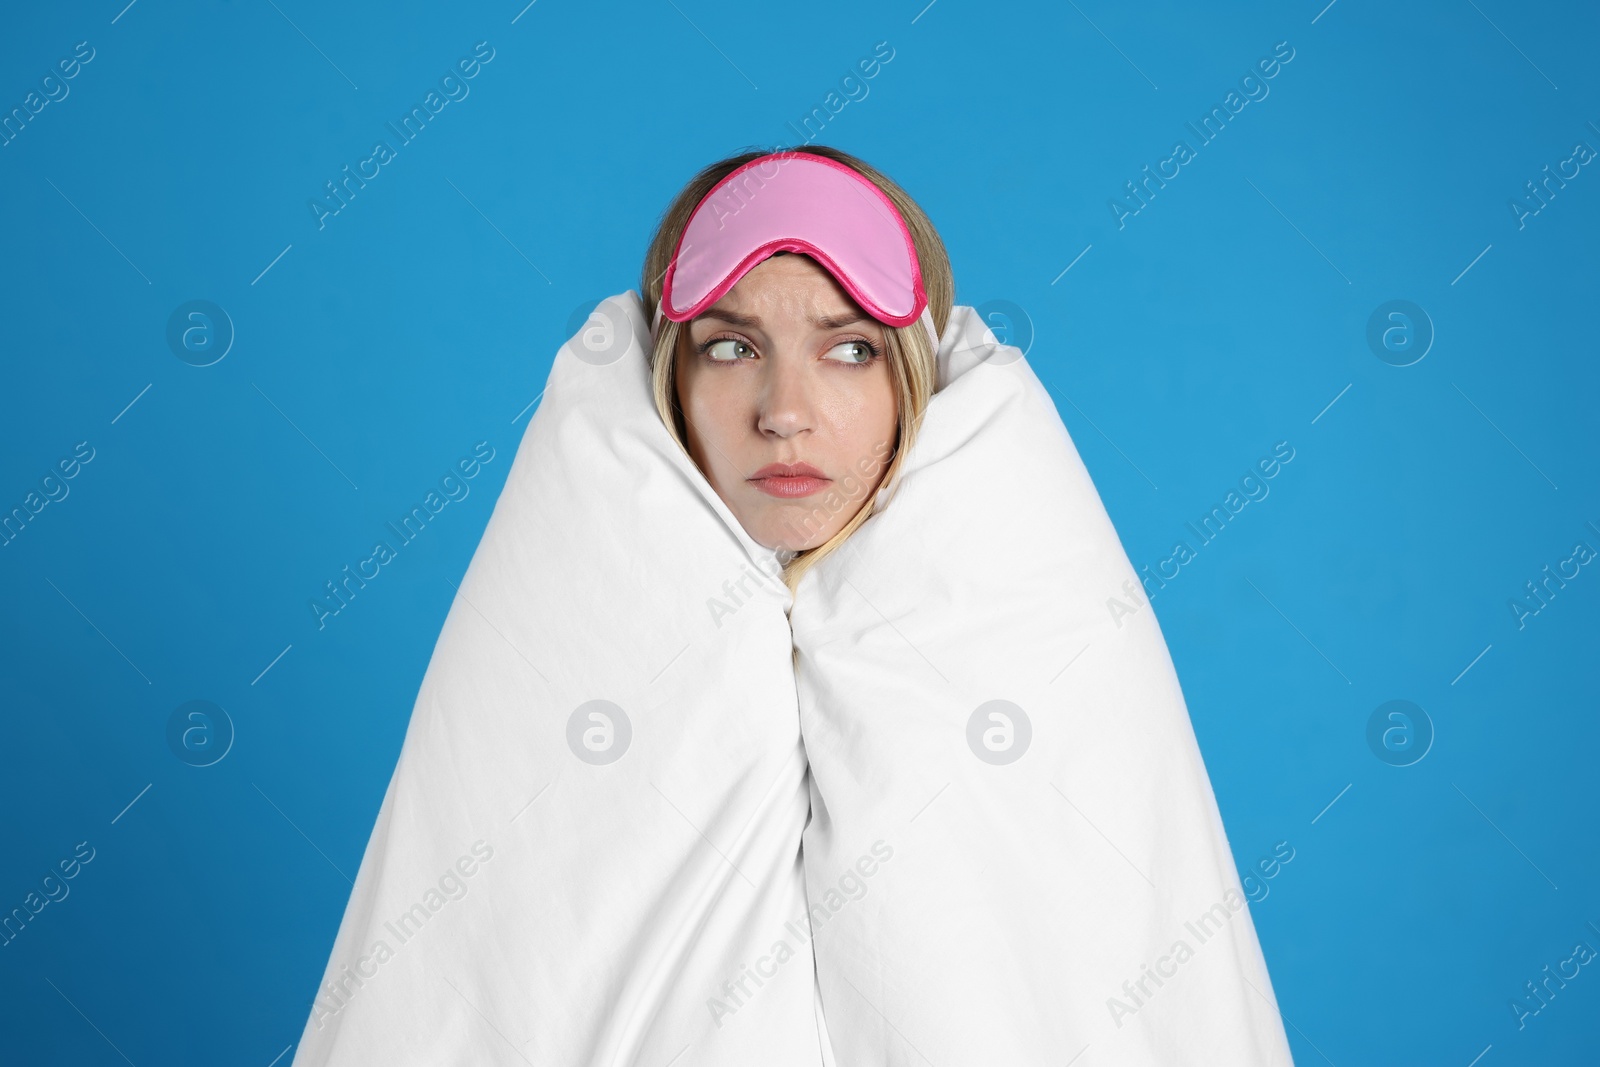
<point x="789" y="479"/>
<point x="803" y="485"/>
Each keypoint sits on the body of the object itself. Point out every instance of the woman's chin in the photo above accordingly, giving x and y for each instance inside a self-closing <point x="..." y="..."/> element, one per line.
<point x="773" y="532"/>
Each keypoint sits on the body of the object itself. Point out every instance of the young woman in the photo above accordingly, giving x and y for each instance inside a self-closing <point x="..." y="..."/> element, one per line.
<point x="785" y="370"/>
<point x="780" y="717"/>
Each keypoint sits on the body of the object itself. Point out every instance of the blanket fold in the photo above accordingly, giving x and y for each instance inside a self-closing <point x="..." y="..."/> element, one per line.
<point x="938" y="807"/>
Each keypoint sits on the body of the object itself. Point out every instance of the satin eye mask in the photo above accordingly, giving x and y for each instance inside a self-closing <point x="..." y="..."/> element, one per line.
<point x="797" y="202"/>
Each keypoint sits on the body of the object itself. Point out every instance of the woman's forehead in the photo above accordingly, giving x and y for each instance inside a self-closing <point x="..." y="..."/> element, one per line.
<point x="793" y="287"/>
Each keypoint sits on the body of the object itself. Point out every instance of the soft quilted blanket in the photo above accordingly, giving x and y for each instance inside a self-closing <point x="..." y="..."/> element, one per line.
<point x="940" y="807"/>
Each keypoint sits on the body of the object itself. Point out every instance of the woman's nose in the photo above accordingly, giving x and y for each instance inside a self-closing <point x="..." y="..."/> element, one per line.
<point x="786" y="402"/>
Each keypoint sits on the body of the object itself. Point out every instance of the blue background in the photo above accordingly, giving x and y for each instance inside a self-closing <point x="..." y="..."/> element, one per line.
<point x="370" y="354"/>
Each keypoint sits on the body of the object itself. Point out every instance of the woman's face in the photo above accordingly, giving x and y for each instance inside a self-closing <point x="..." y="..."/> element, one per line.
<point x="787" y="370"/>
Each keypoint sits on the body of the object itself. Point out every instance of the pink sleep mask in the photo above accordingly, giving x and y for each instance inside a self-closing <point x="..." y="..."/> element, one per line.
<point x="798" y="202"/>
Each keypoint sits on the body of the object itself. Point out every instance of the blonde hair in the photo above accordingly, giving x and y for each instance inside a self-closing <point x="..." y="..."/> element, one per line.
<point x="909" y="350"/>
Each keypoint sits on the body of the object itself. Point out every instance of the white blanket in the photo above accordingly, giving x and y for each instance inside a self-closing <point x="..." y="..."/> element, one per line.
<point x="941" y="807"/>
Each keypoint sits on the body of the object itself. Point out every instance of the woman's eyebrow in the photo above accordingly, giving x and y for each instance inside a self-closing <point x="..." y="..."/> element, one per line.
<point x="834" y="322"/>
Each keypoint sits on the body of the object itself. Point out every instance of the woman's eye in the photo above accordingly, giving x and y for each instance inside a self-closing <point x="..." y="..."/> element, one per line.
<point x="727" y="350"/>
<point x="854" y="352"/>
